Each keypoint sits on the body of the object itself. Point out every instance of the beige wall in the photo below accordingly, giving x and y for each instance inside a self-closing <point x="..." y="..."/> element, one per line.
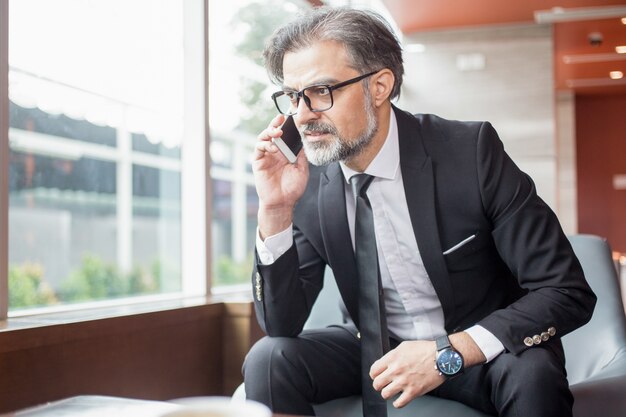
<point x="514" y="91"/>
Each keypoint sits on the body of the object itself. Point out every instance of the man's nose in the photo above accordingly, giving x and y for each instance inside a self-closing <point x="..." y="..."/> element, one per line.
<point x="304" y="114"/>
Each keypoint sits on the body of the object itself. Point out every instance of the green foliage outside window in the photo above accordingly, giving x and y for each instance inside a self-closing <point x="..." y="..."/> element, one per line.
<point x="28" y="288"/>
<point x="230" y="272"/>
<point x="95" y="279"/>
<point x="257" y="21"/>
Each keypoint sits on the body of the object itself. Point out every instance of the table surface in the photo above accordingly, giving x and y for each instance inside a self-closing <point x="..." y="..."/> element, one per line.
<point x="101" y="406"/>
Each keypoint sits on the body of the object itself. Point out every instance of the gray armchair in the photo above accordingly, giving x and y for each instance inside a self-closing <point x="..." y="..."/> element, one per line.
<point x="596" y="353"/>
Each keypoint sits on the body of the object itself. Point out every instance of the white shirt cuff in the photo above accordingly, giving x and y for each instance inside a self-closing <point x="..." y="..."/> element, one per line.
<point x="274" y="246"/>
<point x="486" y="341"/>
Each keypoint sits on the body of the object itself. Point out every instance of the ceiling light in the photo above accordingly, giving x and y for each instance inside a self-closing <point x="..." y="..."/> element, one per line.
<point x="616" y="75"/>
<point x="560" y="14"/>
<point x="624" y="20"/>
<point x="620" y="49"/>
<point x="415" y="47"/>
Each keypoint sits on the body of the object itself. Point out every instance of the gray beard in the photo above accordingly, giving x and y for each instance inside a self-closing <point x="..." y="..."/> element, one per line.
<point x="338" y="148"/>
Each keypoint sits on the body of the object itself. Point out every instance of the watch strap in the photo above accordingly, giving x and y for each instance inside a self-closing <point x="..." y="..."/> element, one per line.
<point x="442" y="343"/>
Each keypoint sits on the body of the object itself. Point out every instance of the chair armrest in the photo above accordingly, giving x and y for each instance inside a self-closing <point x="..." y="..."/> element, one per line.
<point x="605" y="397"/>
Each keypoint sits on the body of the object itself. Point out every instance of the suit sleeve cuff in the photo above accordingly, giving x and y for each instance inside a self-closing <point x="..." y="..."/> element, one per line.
<point x="486" y="341"/>
<point x="274" y="246"/>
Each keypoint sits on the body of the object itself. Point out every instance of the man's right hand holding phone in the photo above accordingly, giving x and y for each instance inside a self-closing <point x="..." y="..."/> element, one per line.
<point x="279" y="183"/>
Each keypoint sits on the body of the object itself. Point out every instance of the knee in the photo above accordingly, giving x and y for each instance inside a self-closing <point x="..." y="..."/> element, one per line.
<point x="535" y="369"/>
<point x="268" y="355"/>
<point x="533" y="383"/>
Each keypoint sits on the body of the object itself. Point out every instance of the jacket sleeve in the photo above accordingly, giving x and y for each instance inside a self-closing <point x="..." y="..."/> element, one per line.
<point x="284" y="292"/>
<point x="530" y="240"/>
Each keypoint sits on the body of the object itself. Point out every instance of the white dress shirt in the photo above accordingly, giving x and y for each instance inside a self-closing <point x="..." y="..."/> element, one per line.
<point x="412" y="307"/>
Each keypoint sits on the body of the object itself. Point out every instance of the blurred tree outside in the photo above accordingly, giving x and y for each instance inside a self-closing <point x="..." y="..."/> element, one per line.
<point x="28" y="287"/>
<point x="253" y="23"/>
<point x="229" y="272"/>
<point x="257" y="21"/>
<point x="94" y="280"/>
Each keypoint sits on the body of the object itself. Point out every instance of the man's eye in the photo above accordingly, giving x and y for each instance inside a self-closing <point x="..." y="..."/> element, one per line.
<point x="320" y="91"/>
<point x="292" y="96"/>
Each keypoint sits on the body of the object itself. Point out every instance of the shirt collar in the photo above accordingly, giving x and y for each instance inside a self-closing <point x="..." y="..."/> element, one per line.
<point x="385" y="164"/>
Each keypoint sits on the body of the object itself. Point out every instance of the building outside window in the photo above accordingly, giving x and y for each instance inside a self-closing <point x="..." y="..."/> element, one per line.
<point x="106" y="105"/>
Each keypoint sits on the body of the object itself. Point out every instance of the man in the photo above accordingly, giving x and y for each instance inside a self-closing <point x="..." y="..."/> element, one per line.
<point x="467" y="252"/>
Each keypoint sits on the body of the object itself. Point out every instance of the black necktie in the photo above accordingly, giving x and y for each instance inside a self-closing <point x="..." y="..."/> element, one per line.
<point x="372" y="321"/>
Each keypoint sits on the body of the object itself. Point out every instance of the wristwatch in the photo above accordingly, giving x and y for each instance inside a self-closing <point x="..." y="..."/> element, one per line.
<point x="449" y="362"/>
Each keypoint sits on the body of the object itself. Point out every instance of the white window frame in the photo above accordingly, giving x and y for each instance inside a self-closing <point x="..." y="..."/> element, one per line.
<point x="4" y="158"/>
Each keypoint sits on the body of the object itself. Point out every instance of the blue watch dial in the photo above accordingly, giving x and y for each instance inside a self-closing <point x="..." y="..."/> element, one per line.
<point x="449" y="362"/>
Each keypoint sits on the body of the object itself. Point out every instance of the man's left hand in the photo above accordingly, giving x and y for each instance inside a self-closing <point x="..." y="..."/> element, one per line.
<point x="408" y="369"/>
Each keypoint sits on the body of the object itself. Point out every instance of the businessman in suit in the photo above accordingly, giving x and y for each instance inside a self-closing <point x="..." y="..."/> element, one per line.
<point x="471" y="261"/>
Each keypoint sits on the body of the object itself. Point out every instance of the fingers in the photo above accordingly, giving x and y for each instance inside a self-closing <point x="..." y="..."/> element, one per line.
<point x="382" y="380"/>
<point x="392" y="389"/>
<point x="262" y="147"/>
<point x="379" y="366"/>
<point x="273" y="129"/>
<point x="403" y="399"/>
<point x="264" y="144"/>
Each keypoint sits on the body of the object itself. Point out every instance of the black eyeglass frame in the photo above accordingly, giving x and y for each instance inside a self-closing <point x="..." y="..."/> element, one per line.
<point x="307" y="100"/>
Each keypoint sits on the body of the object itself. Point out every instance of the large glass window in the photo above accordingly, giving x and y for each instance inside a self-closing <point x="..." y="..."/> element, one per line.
<point x="240" y="103"/>
<point x="106" y="136"/>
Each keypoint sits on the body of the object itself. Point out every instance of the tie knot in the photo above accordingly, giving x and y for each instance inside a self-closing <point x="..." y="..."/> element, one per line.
<point x="360" y="183"/>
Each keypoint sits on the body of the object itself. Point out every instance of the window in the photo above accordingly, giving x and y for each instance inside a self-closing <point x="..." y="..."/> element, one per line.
<point x="105" y="196"/>
<point x="240" y="103"/>
<point x="106" y="169"/>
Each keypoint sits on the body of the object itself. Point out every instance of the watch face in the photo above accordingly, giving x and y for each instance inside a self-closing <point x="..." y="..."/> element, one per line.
<point x="449" y="362"/>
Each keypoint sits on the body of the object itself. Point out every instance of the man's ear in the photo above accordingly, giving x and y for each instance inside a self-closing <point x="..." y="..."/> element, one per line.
<point x="382" y="83"/>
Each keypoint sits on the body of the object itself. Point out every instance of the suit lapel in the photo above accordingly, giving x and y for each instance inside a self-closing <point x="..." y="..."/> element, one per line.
<point x="336" y="236"/>
<point x="419" y="187"/>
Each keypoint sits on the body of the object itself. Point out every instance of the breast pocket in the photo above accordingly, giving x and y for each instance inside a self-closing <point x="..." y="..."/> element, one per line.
<point x="468" y="253"/>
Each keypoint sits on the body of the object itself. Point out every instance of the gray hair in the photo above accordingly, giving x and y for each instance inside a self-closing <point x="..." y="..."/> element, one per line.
<point x="368" y="38"/>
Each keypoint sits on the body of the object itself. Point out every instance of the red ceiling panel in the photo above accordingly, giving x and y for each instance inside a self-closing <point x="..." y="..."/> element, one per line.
<point x="578" y="66"/>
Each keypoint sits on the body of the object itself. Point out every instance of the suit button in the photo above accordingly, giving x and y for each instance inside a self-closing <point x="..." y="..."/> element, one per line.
<point x="537" y="339"/>
<point x="551" y="331"/>
<point x="528" y="341"/>
<point x="545" y="336"/>
<point x="358" y="335"/>
<point x="258" y="287"/>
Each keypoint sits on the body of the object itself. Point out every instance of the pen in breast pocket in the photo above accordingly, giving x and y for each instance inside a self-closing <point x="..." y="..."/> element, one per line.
<point x="458" y="245"/>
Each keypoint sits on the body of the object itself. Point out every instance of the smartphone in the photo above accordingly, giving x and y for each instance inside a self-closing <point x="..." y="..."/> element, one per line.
<point x="290" y="142"/>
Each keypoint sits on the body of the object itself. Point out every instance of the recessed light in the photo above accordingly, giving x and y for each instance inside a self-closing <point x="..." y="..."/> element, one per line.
<point x="624" y="20"/>
<point x="620" y="49"/>
<point x="616" y="75"/>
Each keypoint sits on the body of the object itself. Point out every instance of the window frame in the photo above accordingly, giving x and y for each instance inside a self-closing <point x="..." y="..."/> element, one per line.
<point x="195" y="178"/>
<point x="4" y="158"/>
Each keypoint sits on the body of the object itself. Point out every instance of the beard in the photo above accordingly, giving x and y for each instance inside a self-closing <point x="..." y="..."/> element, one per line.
<point x="338" y="148"/>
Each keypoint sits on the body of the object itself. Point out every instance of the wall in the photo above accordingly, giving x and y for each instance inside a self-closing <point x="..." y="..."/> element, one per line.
<point x="601" y="154"/>
<point x="514" y="90"/>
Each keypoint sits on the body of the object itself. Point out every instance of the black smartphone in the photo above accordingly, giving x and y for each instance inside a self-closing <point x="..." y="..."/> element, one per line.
<point x="290" y="142"/>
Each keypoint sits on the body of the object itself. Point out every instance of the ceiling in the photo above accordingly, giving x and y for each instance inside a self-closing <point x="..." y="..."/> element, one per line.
<point x="578" y="65"/>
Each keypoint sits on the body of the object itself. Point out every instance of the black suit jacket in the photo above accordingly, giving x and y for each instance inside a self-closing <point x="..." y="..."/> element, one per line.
<point x="518" y="278"/>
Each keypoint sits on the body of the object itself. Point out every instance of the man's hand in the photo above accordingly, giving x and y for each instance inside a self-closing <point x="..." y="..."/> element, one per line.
<point x="279" y="183"/>
<point x="410" y="368"/>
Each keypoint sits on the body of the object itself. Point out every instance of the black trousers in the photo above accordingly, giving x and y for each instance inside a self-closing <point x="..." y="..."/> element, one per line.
<point x="290" y="374"/>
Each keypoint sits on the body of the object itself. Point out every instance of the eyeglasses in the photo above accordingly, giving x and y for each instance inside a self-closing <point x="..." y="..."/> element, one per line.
<point x="318" y="98"/>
